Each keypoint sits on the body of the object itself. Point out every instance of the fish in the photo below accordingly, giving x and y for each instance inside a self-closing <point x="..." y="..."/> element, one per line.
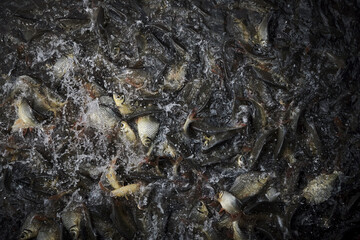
<point x="320" y="188"/>
<point x="126" y="190"/>
<point x="238" y="234"/>
<point x="208" y="129"/>
<point x="72" y="25"/>
<point x="196" y="94"/>
<point x="199" y="213"/>
<point x="41" y="97"/>
<point x="295" y="116"/>
<point x="111" y="175"/>
<point x="262" y="36"/>
<point x="148" y="128"/>
<point x="127" y="130"/>
<point x="213" y="140"/>
<point x="270" y="78"/>
<point x="169" y="150"/>
<point x="26" y="118"/>
<point x="175" y="77"/>
<point x="94" y="89"/>
<point x="71" y="218"/>
<point x="313" y="140"/>
<point x="259" y="144"/>
<point x="124" y="107"/>
<point x="259" y="116"/>
<point x="229" y="202"/>
<point x="63" y="65"/>
<point x="189" y="120"/>
<point x="249" y="184"/>
<point x="46" y="99"/>
<point x="134" y="78"/>
<point x="251" y="52"/>
<point x="280" y="140"/>
<point x="240" y="28"/>
<point x="31" y="227"/>
<point x="24" y="84"/>
<point x="101" y="117"/>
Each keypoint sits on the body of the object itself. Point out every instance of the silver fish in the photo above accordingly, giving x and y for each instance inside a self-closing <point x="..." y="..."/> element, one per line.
<point x="31" y="227"/>
<point x="41" y="97"/>
<point x="147" y="127"/>
<point x="101" y="117"/>
<point x="71" y="219"/>
<point x="63" y="65"/>
<point x="124" y="107"/>
<point x="319" y="189"/>
<point x="25" y="114"/>
<point x="229" y="202"/>
<point x="238" y="234"/>
<point x="249" y="184"/>
<point x="128" y="132"/>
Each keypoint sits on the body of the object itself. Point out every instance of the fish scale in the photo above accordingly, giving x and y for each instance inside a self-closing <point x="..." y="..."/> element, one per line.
<point x="147" y="127"/>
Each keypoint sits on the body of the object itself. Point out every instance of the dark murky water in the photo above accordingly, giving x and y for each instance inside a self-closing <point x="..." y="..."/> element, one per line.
<point x="250" y="106"/>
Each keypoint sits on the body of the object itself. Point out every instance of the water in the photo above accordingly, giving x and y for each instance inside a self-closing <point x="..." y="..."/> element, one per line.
<point x="287" y="71"/>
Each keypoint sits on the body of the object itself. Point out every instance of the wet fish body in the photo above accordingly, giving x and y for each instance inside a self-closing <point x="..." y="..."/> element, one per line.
<point x="148" y="128"/>
<point x="127" y="130"/>
<point x="175" y="78"/>
<point x="124" y="107"/>
<point x="101" y="117"/>
<point x="63" y="65"/>
<point x="229" y="202"/>
<point x="41" y="97"/>
<point x="71" y="219"/>
<point x="26" y="118"/>
<point x="31" y="227"/>
<point x="213" y="140"/>
<point x="199" y="213"/>
<point x="320" y="188"/>
<point x="126" y="190"/>
<point x="238" y="234"/>
<point x="262" y="31"/>
<point x="249" y="184"/>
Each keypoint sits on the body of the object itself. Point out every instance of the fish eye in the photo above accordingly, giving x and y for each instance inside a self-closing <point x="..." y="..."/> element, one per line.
<point x="147" y="141"/>
<point x="200" y="207"/>
<point x="221" y="194"/>
<point x="122" y="125"/>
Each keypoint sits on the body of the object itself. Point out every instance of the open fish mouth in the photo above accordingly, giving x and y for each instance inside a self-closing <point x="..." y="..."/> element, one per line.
<point x="179" y="119"/>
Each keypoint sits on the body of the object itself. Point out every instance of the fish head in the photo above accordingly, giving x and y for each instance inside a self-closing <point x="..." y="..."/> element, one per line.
<point x="207" y="140"/>
<point x="25" y="234"/>
<point x="119" y="99"/>
<point x="219" y="196"/>
<point x="202" y="209"/>
<point x="124" y="126"/>
<point x="74" y="232"/>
